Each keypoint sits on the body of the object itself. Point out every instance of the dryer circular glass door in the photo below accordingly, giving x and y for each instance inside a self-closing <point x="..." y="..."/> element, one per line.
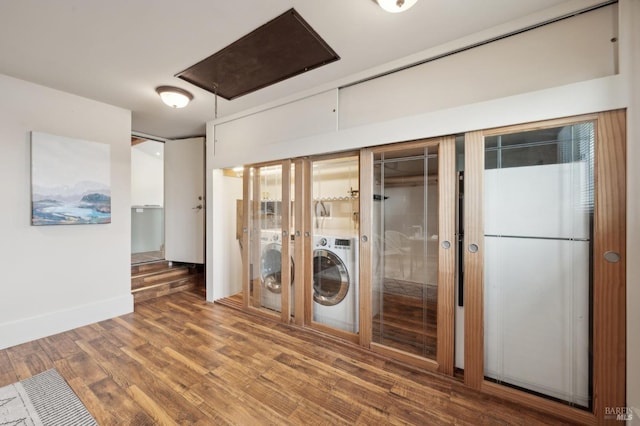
<point x="271" y="268"/>
<point x="330" y="278"/>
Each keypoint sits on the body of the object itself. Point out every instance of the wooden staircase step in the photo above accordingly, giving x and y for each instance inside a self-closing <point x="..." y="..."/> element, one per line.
<point x="142" y="268"/>
<point x="162" y="289"/>
<point x="155" y="277"/>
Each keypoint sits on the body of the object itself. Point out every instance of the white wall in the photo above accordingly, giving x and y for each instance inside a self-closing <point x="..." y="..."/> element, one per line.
<point x="469" y="77"/>
<point x="57" y="278"/>
<point x="226" y="190"/>
<point x="273" y="125"/>
<point x="599" y="93"/>
<point x="630" y="67"/>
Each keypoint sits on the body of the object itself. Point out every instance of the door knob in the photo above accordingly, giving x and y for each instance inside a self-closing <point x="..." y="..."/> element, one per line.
<point x="198" y="207"/>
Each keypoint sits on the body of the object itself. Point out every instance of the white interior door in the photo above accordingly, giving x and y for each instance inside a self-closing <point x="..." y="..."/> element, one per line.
<point x="184" y="200"/>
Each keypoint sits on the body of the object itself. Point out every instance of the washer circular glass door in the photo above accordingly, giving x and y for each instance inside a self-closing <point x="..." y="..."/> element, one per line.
<point x="271" y="268"/>
<point x="330" y="278"/>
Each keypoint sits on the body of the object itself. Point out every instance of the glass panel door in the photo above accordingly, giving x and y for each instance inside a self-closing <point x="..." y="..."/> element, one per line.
<point x="544" y="264"/>
<point x="334" y="290"/>
<point x="413" y="245"/>
<point x="538" y="233"/>
<point x="270" y="275"/>
<point x="406" y="256"/>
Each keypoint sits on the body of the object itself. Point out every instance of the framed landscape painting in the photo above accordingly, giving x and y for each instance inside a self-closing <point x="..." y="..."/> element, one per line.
<point x="70" y="181"/>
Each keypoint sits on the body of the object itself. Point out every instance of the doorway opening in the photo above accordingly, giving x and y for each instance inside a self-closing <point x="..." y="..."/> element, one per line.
<point x="167" y="217"/>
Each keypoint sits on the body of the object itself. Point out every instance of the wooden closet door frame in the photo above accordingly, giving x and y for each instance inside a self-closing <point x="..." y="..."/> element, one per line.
<point x="447" y="197"/>
<point x="251" y="246"/>
<point x="609" y="279"/>
<point x="285" y="295"/>
<point x="366" y="246"/>
<point x="302" y="244"/>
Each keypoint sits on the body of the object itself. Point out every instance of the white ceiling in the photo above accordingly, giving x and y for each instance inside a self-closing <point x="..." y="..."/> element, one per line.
<point x="119" y="51"/>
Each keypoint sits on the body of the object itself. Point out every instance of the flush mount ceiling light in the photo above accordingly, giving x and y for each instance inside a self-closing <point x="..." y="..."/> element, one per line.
<point x="174" y="96"/>
<point x="395" y="6"/>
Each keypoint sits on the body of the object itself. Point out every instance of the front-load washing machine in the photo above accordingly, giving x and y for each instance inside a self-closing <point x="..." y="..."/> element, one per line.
<point x="335" y="282"/>
<point x="271" y="270"/>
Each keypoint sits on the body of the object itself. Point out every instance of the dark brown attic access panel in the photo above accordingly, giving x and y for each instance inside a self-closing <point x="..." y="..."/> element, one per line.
<point x="282" y="48"/>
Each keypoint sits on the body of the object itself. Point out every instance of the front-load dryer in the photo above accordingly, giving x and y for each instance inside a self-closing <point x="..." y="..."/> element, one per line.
<point x="335" y="282"/>
<point x="271" y="270"/>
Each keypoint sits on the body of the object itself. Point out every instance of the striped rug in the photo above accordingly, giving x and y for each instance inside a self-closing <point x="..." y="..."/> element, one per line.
<point x="44" y="399"/>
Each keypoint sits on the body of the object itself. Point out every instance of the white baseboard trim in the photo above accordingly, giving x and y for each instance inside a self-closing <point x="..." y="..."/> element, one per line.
<point x="24" y="330"/>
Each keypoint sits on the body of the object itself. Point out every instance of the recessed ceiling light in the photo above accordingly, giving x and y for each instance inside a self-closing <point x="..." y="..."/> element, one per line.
<point x="174" y="96"/>
<point x="395" y="6"/>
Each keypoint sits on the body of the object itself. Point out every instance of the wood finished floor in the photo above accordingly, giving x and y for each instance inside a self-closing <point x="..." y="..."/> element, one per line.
<point x="180" y="360"/>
